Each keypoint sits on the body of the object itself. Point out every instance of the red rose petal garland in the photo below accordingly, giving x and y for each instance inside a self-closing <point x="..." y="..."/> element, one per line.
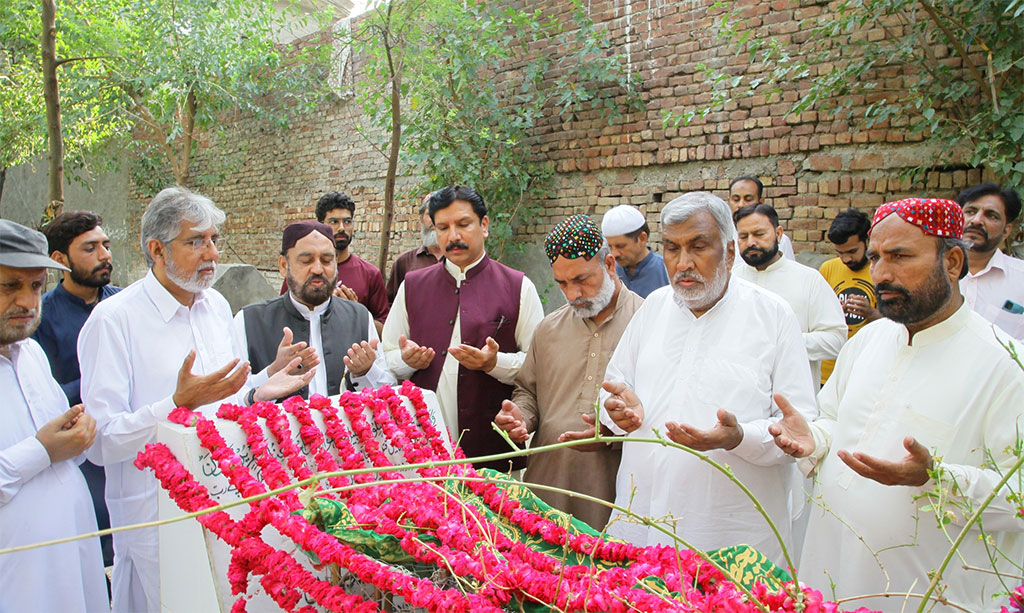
<point x="495" y="568"/>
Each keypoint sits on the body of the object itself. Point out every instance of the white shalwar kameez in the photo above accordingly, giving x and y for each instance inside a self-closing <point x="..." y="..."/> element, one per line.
<point x="683" y="369"/>
<point x="817" y="307"/>
<point x="954" y="389"/>
<point x="40" y="501"/>
<point x="131" y="349"/>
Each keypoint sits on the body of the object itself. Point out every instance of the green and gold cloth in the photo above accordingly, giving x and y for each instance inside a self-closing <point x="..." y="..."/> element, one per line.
<point x="744" y="563"/>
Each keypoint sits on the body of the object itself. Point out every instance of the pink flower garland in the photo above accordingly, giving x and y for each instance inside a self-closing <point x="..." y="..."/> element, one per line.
<point x="468" y="544"/>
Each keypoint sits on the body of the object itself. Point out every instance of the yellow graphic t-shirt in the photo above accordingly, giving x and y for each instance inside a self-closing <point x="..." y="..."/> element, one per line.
<point x="846" y="283"/>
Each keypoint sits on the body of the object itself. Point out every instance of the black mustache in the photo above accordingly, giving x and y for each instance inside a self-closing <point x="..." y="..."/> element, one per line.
<point x="318" y="276"/>
<point x="889" y="287"/>
<point x="979" y="229"/>
<point x="456" y="245"/>
<point x="106" y="267"/>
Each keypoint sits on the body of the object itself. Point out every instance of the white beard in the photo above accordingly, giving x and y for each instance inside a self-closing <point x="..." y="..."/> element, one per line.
<point x="589" y="307"/>
<point x="703" y="296"/>
<point x="194" y="283"/>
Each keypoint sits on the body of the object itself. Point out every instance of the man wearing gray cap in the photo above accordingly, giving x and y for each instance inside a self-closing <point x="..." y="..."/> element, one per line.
<point x="626" y="230"/>
<point x="163" y="342"/>
<point x="43" y="495"/>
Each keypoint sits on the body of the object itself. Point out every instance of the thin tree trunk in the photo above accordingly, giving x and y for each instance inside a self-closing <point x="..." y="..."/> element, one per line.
<point x="3" y="179"/>
<point x="51" y="94"/>
<point x="188" y="125"/>
<point x="396" y="143"/>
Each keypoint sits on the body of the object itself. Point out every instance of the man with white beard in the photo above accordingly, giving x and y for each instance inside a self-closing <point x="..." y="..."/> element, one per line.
<point x="559" y="382"/>
<point x="132" y="378"/>
<point x="700" y="362"/>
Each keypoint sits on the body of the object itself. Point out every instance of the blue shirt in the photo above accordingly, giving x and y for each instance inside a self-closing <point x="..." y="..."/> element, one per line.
<point x="64" y="314"/>
<point x="648" y="275"/>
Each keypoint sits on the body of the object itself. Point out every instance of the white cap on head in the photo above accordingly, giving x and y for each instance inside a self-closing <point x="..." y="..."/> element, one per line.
<point x="622" y="219"/>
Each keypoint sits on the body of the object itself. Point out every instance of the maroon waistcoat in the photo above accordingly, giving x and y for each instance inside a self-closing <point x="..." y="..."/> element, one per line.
<point x="487" y="304"/>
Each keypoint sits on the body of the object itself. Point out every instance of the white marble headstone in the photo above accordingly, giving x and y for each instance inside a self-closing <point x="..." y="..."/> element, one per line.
<point x="194" y="562"/>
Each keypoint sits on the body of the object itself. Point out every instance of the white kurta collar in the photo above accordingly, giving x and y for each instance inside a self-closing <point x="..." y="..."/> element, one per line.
<point x="460" y="275"/>
<point x="940" y="331"/>
<point x="166" y="304"/>
<point x="307" y="312"/>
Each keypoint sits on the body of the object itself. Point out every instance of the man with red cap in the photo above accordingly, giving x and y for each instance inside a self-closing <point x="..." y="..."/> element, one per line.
<point x="914" y="430"/>
<point x="336" y="337"/>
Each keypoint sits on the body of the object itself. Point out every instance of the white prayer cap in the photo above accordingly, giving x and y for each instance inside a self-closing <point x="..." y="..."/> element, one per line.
<point x="622" y="219"/>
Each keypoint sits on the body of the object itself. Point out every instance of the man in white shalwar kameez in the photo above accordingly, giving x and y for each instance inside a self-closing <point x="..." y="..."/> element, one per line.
<point x="699" y="362"/>
<point x="43" y="495"/>
<point x="131" y="350"/>
<point x="817" y="308"/>
<point x="915" y="403"/>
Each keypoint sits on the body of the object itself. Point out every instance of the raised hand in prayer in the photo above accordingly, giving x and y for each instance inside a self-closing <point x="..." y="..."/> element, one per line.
<point x="580" y="435"/>
<point x="472" y="358"/>
<point x="62" y="441"/>
<point x="623" y="406"/>
<point x="193" y="391"/>
<point x="725" y="434"/>
<point x="284" y="383"/>
<point x="792" y="433"/>
<point x="912" y="470"/>
<point x="360" y="357"/>
<point x="345" y="292"/>
<point x="286" y="351"/>
<point x="412" y="354"/>
<point x="510" y="419"/>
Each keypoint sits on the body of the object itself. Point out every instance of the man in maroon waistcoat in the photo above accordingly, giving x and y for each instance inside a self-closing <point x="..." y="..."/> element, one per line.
<point x="462" y="326"/>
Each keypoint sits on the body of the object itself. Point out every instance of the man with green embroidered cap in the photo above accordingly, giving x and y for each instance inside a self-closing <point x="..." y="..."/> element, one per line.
<point x="559" y="382"/>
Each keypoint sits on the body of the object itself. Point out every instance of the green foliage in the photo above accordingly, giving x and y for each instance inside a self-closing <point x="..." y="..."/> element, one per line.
<point x="475" y="88"/>
<point x="950" y="72"/>
<point x="87" y="106"/>
<point x="157" y="76"/>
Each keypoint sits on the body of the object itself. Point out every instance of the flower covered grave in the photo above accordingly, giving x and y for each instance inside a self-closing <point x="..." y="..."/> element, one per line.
<point x="440" y="538"/>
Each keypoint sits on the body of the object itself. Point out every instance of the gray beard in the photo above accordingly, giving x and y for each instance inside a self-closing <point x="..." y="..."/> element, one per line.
<point x="586" y="308"/>
<point x="428" y="238"/>
<point x="701" y="298"/>
<point x="194" y="283"/>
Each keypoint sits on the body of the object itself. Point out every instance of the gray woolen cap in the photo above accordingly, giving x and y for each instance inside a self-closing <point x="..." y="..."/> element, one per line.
<point x="22" y="247"/>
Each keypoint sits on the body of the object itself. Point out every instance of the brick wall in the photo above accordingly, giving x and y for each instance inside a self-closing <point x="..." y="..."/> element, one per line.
<point x="812" y="167"/>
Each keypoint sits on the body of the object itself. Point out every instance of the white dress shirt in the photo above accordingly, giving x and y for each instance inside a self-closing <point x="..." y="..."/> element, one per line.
<point x="131" y="349"/>
<point x="988" y="291"/>
<point x="377" y="376"/>
<point x="954" y="389"/>
<point x="817" y="307"/>
<point x="683" y="369"/>
<point x="530" y="313"/>
<point x="41" y="501"/>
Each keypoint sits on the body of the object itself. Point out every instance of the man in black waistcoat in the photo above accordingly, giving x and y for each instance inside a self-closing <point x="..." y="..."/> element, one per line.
<point x="335" y="336"/>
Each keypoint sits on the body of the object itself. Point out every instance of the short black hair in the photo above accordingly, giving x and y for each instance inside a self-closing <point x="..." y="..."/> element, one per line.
<point x="760" y="208"/>
<point x="447" y="195"/>
<point x="1011" y="201"/>
<point x="948" y="243"/>
<point x="754" y="180"/>
<point x="66" y="227"/>
<point x="849" y="223"/>
<point x="333" y="200"/>
<point x="635" y="234"/>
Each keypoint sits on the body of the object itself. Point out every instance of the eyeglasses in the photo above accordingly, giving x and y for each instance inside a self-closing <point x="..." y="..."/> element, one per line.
<point x="202" y="244"/>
